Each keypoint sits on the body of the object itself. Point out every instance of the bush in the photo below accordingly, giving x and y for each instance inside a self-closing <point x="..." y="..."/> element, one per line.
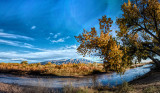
<point x="24" y="62"/>
<point x="125" y="88"/>
<point x="49" y="63"/>
<point x="151" y="89"/>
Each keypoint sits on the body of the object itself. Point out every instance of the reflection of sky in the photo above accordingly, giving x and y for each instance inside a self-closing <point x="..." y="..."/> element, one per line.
<point x="129" y="75"/>
<point x="38" y="30"/>
<point x="104" y="79"/>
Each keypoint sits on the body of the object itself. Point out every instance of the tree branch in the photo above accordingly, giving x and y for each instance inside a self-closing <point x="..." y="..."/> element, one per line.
<point x="158" y="39"/>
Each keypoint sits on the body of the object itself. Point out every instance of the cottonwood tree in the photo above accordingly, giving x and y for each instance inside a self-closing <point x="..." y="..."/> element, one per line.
<point x="140" y="29"/>
<point x="103" y="43"/>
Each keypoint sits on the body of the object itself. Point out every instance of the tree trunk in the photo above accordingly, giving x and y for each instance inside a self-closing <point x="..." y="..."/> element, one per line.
<point x="106" y="66"/>
<point x="157" y="63"/>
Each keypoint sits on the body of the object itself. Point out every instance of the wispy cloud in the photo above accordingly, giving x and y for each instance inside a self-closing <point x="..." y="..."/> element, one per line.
<point x="68" y="37"/>
<point x="14" y="36"/>
<point x="18" y="59"/>
<point x="66" y="52"/>
<point x="51" y="33"/>
<point x="12" y="43"/>
<point x="53" y="36"/>
<point x="57" y="41"/>
<point x="56" y="35"/>
<point x="33" y="27"/>
<point x="60" y="40"/>
<point x="54" y="54"/>
<point x="19" y="44"/>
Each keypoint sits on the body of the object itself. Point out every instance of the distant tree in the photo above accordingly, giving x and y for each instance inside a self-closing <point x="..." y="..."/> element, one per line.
<point x="24" y="62"/>
<point x="49" y="63"/>
<point x="103" y="44"/>
<point x="39" y="63"/>
<point x="140" y="29"/>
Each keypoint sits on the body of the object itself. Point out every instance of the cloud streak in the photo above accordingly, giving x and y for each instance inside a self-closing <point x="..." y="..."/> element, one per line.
<point x="66" y="52"/>
<point x="56" y="35"/>
<point x="19" y="44"/>
<point x="60" y="40"/>
<point x="14" y="36"/>
<point x="57" y="41"/>
<point x="54" y="54"/>
<point x="33" y="27"/>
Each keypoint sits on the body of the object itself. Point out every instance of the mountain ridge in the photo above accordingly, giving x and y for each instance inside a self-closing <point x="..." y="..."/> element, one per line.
<point x="65" y="61"/>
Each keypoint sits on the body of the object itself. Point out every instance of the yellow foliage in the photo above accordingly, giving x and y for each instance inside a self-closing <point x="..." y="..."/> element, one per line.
<point x="104" y="43"/>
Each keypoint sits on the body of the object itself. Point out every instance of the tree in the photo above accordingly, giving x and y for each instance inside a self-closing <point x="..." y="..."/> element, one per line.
<point x="140" y="29"/>
<point x="49" y="63"/>
<point x="103" y="44"/>
<point x="24" y="62"/>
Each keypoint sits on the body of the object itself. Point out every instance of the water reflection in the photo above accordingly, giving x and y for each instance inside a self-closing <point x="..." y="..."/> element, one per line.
<point x="104" y="79"/>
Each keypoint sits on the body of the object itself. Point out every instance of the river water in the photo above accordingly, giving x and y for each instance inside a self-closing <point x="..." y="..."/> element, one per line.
<point x="112" y="79"/>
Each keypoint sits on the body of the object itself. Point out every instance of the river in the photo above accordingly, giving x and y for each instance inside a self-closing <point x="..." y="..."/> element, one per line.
<point x="112" y="79"/>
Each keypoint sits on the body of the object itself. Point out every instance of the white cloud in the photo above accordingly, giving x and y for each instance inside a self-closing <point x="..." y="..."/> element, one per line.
<point x="18" y="59"/>
<point x="53" y="36"/>
<point x="72" y="47"/>
<point x="33" y="27"/>
<point x="12" y="43"/>
<point x="55" y="54"/>
<point x="14" y="36"/>
<point x="19" y="44"/>
<point x="57" y="41"/>
<point x="68" y="37"/>
<point x="56" y="35"/>
<point x="60" y="40"/>
<point x="66" y="52"/>
<point x="51" y="33"/>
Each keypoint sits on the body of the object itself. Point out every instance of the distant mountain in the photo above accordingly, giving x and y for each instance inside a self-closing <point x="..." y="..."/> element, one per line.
<point x="65" y="61"/>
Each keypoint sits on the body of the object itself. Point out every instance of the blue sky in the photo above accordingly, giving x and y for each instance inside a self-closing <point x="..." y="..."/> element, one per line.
<point x="42" y="30"/>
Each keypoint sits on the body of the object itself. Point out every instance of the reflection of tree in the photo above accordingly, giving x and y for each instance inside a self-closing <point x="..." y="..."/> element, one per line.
<point x="94" y="80"/>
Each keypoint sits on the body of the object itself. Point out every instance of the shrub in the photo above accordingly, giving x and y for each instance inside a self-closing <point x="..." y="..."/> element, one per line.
<point x="49" y="63"/>
<point x="24" y="62"/>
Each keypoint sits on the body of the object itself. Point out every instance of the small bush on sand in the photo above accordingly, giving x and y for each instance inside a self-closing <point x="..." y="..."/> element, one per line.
<point x="125" y="88"/>
<point x="151" y="89"/>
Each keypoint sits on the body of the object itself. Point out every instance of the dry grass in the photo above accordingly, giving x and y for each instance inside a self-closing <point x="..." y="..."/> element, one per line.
<point x="70" y="69"/>
<point x="9" y="88"/>
<point x="124" y="88"/>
